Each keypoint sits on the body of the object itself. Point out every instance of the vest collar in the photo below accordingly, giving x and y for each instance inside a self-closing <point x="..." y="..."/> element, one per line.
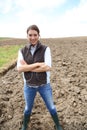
<point x="38" y="45"/>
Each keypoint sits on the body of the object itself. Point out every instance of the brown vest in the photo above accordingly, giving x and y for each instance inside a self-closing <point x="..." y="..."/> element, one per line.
<point x="34" y="78"/>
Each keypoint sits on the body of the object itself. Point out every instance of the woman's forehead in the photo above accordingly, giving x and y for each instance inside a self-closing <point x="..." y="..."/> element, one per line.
<point x="32" y="31"/>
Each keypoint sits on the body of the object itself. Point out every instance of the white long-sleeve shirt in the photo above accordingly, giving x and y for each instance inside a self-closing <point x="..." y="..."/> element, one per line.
<point x="47" y="60"/>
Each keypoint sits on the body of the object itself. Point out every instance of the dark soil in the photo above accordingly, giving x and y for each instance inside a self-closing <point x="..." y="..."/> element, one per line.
<point x="69" y="84"/>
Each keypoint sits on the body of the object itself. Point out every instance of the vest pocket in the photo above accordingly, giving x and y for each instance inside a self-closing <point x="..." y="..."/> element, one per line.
<point x="28" y="76"/>
<point x="41" y="76"/>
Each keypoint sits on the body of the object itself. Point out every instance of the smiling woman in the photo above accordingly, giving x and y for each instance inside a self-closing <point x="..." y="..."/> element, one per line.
<point x="34" y="64"/>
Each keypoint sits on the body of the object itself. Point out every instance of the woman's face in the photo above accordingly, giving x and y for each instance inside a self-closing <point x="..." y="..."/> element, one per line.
<point x="33" y="37"/>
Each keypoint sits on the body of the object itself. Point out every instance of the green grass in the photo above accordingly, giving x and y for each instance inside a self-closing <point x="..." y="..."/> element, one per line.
<point x="4" y="38"/>
<point x="8" y="54"/>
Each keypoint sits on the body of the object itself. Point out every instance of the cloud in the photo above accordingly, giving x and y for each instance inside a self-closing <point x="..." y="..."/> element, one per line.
<point x="77" y="14"/>
<point x="5" y="6"/>
<point x="34" y="10"/>
<point x="38" y="3"/>
<point x="72" y="22"/>
<point x="30" y="12"/>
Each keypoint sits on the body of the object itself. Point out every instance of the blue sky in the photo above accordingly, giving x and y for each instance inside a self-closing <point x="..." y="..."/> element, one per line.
<point x="55" y="18"/>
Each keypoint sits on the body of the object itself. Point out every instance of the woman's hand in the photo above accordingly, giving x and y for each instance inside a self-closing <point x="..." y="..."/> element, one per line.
<point x="42" y="67"/>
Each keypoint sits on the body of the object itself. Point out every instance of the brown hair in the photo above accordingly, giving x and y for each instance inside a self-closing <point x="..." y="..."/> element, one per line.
<point x="33" y="27"/>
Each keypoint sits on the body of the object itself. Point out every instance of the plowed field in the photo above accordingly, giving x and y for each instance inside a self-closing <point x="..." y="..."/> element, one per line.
<point x="69" y="84"/>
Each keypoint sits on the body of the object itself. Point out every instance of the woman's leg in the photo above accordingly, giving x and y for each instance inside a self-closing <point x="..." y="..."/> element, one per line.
<point x="29" y="95"/>
<point x="46" y="94"/>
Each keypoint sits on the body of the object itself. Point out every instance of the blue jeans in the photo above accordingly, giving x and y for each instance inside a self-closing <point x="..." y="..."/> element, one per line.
<point x="46" y="94"/>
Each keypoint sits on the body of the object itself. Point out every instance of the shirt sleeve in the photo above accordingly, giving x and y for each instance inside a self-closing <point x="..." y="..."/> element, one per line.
<point x="20" y="57"/>
<point x="47" y="57"/>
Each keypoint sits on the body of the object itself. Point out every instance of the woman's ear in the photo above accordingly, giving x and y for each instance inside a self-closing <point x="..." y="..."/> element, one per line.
<point x="39" y="36"/>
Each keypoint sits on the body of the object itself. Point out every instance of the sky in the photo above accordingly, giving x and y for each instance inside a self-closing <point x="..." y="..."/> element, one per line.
<point x="55" y="18"/>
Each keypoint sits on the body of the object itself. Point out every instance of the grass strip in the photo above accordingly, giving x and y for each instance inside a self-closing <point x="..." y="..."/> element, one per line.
<point x="8" y="54"/>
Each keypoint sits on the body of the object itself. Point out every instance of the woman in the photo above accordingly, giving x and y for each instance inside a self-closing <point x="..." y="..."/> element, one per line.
<point x="34" y="60"/>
